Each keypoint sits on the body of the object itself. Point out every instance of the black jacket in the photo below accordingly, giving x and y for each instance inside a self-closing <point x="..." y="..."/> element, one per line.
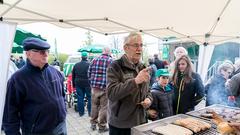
<point x="162" y="100"/>
<point x="190" y="96"/>
<point x="159" y="64"/>
<point x="79" y="74"/>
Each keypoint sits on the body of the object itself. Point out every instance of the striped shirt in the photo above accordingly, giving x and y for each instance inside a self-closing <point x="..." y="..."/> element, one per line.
<point x="98" y="70"/>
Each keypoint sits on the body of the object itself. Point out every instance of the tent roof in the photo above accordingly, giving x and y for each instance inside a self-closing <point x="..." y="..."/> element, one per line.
<point x="184" y="19"/>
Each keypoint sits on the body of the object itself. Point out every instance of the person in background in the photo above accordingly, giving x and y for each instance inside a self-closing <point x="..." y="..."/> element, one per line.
<point x="128" y="88"/>
<point x="162" y="92"/>
<point x="97" y="73"/>
<point x="55" y="62"/>
<point x="215" y="89"/>
<point x="11" y="69"/>
<point x="236" y="68"/>
<point x="13" y="59"/>
<point x="159" y="63"/>
<point x="178" y="52"/>
<point x="35" y="95"/>
<point x="188" y="86"/>
<point x="153" y="72"/>
<point x="233" y="85"/>
<point x="21" y="62"/>
<point x="81" y="83"/>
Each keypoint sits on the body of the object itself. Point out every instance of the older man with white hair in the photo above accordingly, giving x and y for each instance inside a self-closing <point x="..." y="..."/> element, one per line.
<point x="128" y="88"/>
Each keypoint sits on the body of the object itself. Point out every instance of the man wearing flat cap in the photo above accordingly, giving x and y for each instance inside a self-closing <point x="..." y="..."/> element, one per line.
<point x="35" y="95"/>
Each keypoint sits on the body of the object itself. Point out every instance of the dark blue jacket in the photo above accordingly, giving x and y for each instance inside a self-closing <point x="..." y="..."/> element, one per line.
<point x="162" y="100"/>
<point x="34" y="101"/>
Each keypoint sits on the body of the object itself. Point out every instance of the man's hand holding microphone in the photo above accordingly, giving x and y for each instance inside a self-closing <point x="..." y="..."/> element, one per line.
<point x="143" y="76"/>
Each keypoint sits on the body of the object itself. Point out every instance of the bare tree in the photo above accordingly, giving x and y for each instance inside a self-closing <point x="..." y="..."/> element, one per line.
<point x="89" y="38"/>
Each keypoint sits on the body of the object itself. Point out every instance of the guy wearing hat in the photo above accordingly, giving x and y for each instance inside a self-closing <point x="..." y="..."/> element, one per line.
<point x="35" y="95"/>
<point x="81" y="83"/>
<point x="162" y="93"/>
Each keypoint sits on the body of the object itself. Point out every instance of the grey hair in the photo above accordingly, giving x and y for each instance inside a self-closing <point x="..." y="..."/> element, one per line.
<point x="106" y="50"/>
<point x="180" y="48"/>
<point x="130" y="36"/>
<point x="225" y="66"/>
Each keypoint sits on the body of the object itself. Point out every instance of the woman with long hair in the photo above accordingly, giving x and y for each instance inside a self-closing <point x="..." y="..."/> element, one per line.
<point x="189" y="89"/>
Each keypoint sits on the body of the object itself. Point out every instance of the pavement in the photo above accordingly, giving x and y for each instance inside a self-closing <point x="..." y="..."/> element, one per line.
<point x="77" y="125"/>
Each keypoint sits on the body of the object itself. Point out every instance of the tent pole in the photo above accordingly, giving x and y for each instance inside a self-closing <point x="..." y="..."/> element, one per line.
<point x="10" y="7"/>
<point x="109" y="20"/>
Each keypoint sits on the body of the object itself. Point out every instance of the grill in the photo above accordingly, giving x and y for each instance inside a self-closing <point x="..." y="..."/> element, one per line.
<point x="211" y="131"/>
<point x="146" y="129"/>
<point x="228" y="113"/>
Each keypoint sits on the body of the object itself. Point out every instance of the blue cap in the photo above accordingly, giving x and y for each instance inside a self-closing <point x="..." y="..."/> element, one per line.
<point x="34" y="43"/>
<point x="162" y="72"/>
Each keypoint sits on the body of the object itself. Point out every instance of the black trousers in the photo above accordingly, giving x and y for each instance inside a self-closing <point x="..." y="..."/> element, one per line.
<point x="119" y="131"/>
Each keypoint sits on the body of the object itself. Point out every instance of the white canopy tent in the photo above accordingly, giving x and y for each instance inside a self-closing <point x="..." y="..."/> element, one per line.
<point x="203" y="21"/>
<point x="7" y="32"/>
<point x="185" y="19"/>
<point x="206" y="22"/>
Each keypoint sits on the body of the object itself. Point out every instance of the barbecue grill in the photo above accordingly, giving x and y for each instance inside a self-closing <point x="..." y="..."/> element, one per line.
<point x="146" y="129"/>
<point x="221" y="110"/>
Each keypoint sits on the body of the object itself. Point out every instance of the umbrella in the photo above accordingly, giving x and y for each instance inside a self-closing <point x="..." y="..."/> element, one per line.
<point x="19" y="37"/>
<point x="115" y="51"/>
<point x="22" y="34"/>
<point x="96" y="49"/>
<point x="92" y="49"/>
<point x="17" y="48"/>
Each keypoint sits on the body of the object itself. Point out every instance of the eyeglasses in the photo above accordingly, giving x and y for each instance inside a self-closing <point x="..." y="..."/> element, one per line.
<point x="136" y="45"/>
<point x="42" y="52"/>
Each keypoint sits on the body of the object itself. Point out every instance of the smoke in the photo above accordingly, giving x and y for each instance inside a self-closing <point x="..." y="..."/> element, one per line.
<point x="217" y="92"/>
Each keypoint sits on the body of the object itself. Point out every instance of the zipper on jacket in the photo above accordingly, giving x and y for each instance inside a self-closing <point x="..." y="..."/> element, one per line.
<point x="46" y="84"/>
<point x="179" y="95"/>
<point x="34" y="123"/>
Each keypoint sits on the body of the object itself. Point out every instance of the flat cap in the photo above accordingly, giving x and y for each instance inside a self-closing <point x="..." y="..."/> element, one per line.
<point x="34" y="43"/>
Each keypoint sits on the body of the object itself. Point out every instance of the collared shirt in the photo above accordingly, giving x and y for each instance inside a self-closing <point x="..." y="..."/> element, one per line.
<point x="98" y="69"/>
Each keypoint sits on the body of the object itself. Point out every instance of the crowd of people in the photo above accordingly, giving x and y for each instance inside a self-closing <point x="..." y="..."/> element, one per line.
<point x="121" y="93"/>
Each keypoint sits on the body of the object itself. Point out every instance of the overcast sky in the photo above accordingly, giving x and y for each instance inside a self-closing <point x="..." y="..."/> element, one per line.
<point x="69" y="40"/>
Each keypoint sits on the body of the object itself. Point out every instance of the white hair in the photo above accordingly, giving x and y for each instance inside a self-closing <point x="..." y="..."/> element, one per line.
<point x="225" y="66"/>
<point x="130" y="36"/>
<point x="106" y="50"/>
<point x="180" y="48"/>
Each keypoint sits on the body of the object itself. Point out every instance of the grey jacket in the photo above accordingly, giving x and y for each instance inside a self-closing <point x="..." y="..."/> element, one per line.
<point x="234" y="87"/>
<point x="124" y="94"/>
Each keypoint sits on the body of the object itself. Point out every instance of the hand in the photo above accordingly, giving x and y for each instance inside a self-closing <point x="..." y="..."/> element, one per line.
<point x="143" y="76"/>
<point x="146" y="103"/>
<point x="152" y="113"/>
